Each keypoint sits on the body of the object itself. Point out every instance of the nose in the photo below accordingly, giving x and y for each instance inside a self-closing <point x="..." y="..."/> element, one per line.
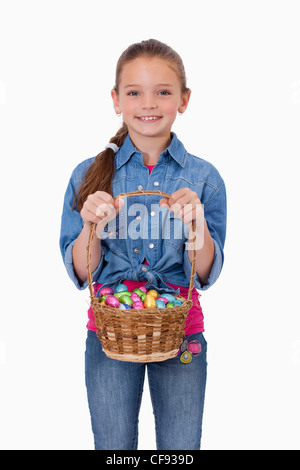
<point x="149" y="102"/>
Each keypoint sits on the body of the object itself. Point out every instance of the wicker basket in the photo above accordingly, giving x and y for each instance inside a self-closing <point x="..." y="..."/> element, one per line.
<point x="145" y="335"/>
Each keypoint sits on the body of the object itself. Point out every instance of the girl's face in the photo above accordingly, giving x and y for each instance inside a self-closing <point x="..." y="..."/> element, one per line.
<point x="149" y="97"/>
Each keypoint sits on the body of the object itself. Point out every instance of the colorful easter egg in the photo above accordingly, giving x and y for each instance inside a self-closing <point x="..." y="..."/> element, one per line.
<point x="149" y="301"/>
<point x="121" y="288"/>
<point x="160" y="304"/>
<point x="119" y="294"/>
<point x="135" y="297"/>
<point x="170" y="305"/>
<point x="140" y="293"/>
<point x="105" y="291"/>
<point x="170" y="297"/>
<point x="153" y="293"/>
<point x="163" y="299"/>
<point x="104" y="297"/>
<point x="112" y="301"/>
<point x="177" y="302"/>
<point x="122" y="306"/>
<point x="126" y="299"/>
<point x="127" y="307"/>
<point x="143" y="288"/>
<point x="138" y="304"/>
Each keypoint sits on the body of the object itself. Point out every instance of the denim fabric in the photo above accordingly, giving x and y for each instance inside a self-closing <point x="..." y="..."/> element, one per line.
<point x="115" y="390"/>
<point x="158" y="235"/>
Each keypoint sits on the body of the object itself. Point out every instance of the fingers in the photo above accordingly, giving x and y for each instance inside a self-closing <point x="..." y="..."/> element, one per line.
<point x="185" y="204"/>
<point x="100" y="207"/>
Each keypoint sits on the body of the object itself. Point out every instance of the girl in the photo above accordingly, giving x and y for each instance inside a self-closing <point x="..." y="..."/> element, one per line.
<point x="150" y="89"/>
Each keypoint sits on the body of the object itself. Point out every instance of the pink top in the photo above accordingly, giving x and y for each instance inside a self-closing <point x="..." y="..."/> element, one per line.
<point x="195" y="319"/>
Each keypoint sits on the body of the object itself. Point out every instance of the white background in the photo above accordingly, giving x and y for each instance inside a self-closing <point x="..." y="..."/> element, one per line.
<point x="57" y="69"/>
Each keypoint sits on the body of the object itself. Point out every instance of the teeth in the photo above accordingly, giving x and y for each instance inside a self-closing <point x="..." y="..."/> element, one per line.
<point x="151" y="118"/>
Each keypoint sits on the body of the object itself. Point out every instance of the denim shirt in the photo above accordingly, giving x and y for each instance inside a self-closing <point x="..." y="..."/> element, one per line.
<point x="143" y="230"/>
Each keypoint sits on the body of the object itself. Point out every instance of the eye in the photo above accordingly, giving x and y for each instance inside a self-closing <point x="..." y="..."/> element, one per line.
<point x="133" y="93"/>
<point x="164" y="93"/>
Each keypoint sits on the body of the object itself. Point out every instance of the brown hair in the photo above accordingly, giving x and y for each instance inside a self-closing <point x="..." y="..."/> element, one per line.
<point x="99" y="176"/>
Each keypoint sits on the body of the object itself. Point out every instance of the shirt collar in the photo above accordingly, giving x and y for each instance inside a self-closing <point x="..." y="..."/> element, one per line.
<point x="176" y="150"/>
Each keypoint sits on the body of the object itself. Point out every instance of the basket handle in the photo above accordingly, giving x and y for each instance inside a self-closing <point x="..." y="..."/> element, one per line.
<point x="93" y="229"/>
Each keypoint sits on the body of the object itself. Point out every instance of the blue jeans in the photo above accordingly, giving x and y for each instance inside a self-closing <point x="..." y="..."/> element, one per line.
<point x="115" y="390"/>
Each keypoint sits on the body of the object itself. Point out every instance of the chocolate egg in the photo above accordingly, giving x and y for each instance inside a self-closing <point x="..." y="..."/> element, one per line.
<point x="140" y="293"/>
<point x="121" y="288"/>
<point x="160" y="304"/>
<point x="143" y="288"/>
<point x="135" y="297"/>
<point x="170" y="305"/>
<point x="105" y="291"/>
<point x="170" y="297"/>
<point x="153" y="293"/>
<point x="112" y="301"/>
<point x="138" y="304"/>
<point x="163" y="299"/>
<point x="104" y="297"/>
<point x="119" y="294"/>
<point x="177" y="302"/>
<point x="126" y="299"/>
<point x="149" y="301"/>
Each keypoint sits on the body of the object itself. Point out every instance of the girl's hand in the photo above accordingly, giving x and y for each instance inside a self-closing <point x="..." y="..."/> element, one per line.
<point x="186" y="205"/>
<point x="100" y="208"/>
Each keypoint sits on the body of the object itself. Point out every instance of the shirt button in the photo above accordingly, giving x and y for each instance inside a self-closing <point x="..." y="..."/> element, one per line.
<point x="136" y="250"/>
<point x="140" y="187"/>
<point x="144" y="269"/>
<point x="156" y="183"/>
<point x="152" y="213"/>
<point x="139" y="218"/>
<point x="151" y="246"/>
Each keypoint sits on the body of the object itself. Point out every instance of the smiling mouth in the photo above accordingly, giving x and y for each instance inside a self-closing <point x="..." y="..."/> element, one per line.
<point x="148" y="118"/>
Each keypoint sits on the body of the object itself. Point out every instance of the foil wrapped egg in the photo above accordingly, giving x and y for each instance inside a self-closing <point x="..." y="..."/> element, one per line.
<point x="163" y="299"/>
<point x="140" y="293"/>
<point x="169" y="297"/>
<point x="138" y="304"/>
<point x="126" y="299"/>
<point x="149" y="301"/>
<point x="135" y="297"/>
<point x="112" y="301"/>
<point x="153" y="293"/>
<point x="160" y="304"/>
<point x="121" y="288"/>
<point x="105" y="291"/>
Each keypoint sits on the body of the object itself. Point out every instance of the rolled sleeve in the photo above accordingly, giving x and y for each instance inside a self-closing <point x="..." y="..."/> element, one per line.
<point x="68" y="261"/>
<point x="215" y="215"/>
<point x="71" y="227"/>
<point x="215" y="270"/>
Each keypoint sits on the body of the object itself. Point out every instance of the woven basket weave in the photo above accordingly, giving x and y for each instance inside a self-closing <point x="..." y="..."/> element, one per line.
<point x="145" y="335"/>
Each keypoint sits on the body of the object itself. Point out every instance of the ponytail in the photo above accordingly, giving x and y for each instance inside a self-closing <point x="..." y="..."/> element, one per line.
<point x="99" y="176"/>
